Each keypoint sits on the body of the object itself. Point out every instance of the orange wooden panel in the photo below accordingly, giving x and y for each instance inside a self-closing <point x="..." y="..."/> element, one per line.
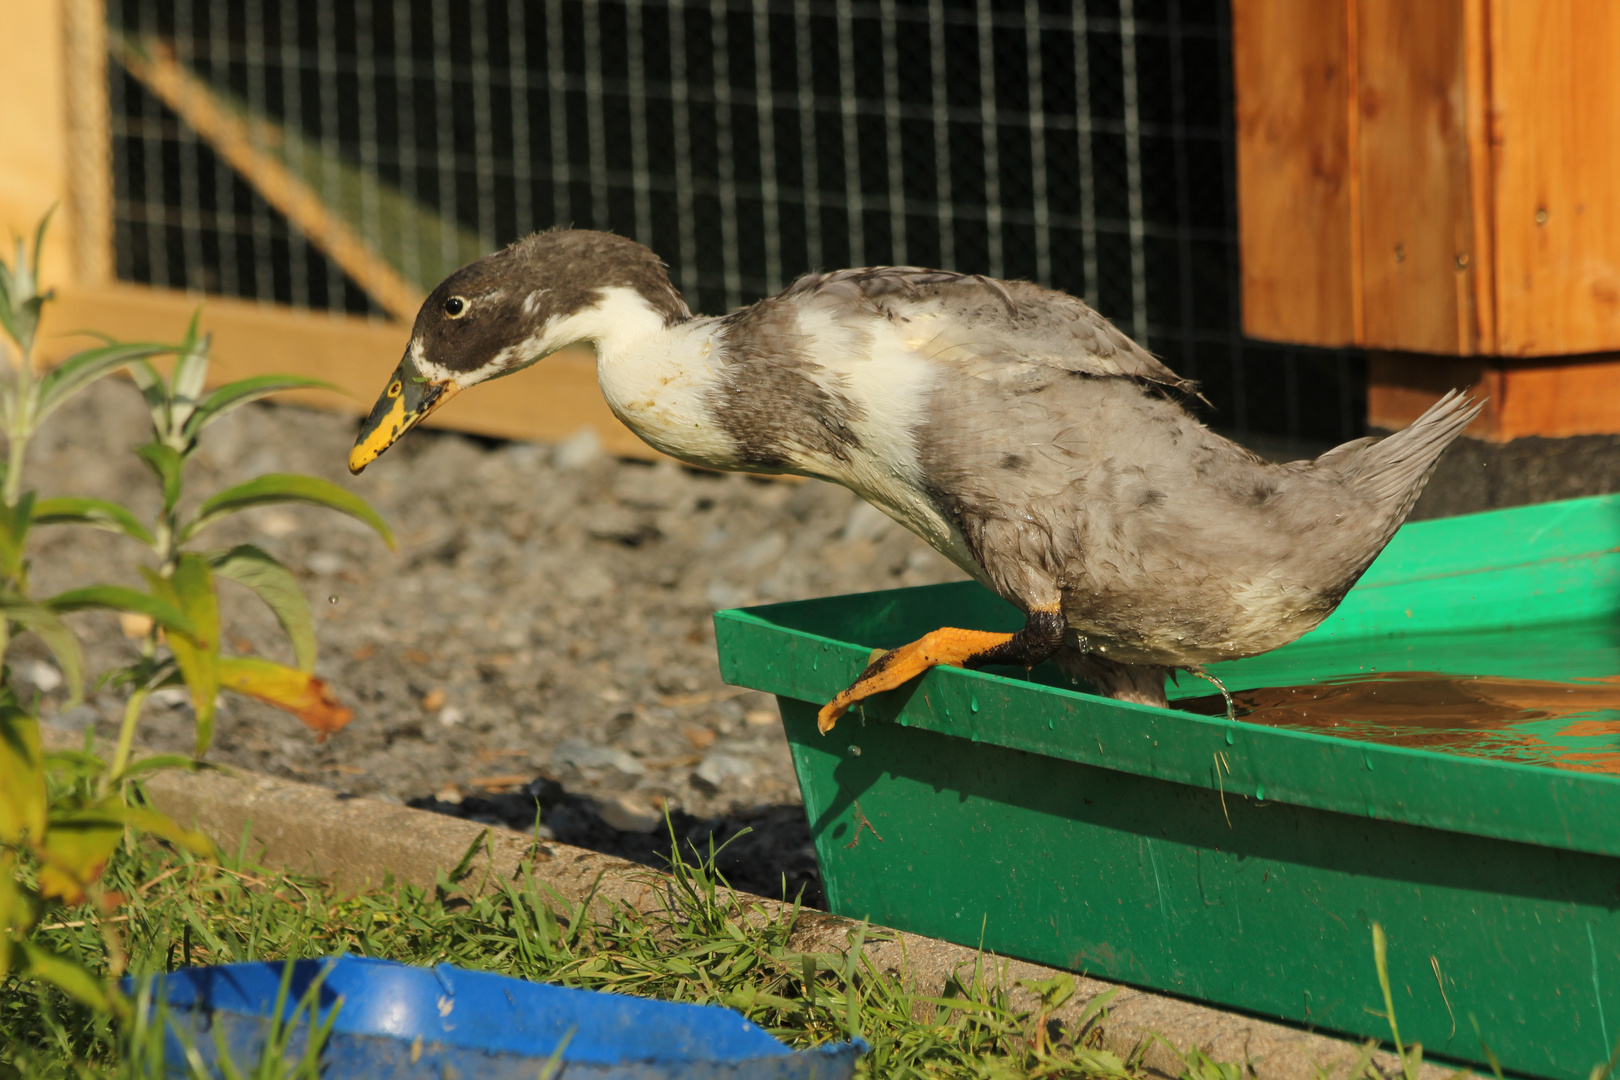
<point x="1291" y="69"/>
<point x="550" y="401"/>
<point x="1556" y="89"/>
<point x="1418" y="252"/>
<point x="1549" y="398"/>
<point x="33" y="128"/>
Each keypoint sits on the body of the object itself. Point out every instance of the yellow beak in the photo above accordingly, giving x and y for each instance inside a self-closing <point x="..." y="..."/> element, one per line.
<point x="406" y="402"/>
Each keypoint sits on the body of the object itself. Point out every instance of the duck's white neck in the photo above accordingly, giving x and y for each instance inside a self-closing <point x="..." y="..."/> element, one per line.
<point x="658" y="379"/>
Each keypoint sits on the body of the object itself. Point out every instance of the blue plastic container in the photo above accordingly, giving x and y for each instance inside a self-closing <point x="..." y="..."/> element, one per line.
<point x="398" y="1021"/>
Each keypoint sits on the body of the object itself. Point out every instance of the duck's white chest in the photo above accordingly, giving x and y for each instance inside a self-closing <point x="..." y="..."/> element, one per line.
<point x="661" y="385"/>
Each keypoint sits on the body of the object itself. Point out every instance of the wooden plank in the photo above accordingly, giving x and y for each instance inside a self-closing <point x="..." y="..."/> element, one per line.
<point x="1548" y="398"/>
<point x="89" y="140"/>
<point x="550" y="402"/>
<point x="1556" y="85"/>
<point x="1418" y="251"/>
<point x="244" y="148"/>
<point x="1400" y="386"/>
<point x="1291" y="72"/>
<point x="33" y="128"/>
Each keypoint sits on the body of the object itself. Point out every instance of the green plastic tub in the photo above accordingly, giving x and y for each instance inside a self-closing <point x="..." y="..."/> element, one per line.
<point x="1244" y="864"/>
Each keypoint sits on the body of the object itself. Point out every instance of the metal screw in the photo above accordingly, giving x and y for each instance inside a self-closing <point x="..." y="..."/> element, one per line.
<point x="1462" y="261"/>
<point x="1541" y="215"/>
<point x="1400" y="252"/>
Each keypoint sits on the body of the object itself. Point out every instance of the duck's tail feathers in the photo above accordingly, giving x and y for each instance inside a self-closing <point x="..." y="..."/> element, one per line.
<point x="1393" y="470"/>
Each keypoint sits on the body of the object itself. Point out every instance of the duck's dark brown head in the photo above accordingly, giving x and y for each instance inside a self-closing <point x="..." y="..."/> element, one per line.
<point x="504" y="312"/>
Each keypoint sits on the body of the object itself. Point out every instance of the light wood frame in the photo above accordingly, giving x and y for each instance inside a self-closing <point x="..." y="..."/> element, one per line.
<point x="54" y="127"/>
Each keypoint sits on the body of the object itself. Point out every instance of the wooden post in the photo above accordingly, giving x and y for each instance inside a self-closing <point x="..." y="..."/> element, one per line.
<point x="33" y="130"/>
<point x="1480" y="189"/>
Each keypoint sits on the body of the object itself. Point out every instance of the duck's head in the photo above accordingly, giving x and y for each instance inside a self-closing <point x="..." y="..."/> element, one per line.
<point x="510" y="309"/>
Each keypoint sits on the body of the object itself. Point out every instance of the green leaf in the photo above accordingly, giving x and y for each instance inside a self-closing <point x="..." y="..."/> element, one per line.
<point x="139" y="817"/>
<point x="300" y="693"/>
<point x="96" y="513"/>
<point x="187" y="381"/>
<point x="276" y="586"/>
<point x="5" y="299"/>
<point x="23" y="802"/>
<point x="191" y="589"/>
<point x="123" y="598"/>
<point x="21" y="307"/>
<point x="67" y="975"/>
<point x="156" y="393"/>
<point x="17" y="911"/>
<point x="284" y="488"/>
<point x="75" y="849"/>
<point x="62" y="642"/>
<point x="15" y="522"/>
<point x="235" y="395"/>
<point x="39" y="237"/>
<point x="82" y="369"/>
<point x="165" y="463"/>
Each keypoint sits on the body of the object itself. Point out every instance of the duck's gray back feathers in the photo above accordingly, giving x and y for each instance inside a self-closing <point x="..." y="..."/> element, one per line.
<point x="984" y="316"/>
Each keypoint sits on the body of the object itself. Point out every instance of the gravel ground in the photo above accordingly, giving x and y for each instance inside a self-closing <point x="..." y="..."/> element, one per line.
<point x="542" y="634"/>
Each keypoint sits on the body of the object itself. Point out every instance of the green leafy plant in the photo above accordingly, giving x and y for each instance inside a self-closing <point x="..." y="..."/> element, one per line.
<point x="62" y="814"/>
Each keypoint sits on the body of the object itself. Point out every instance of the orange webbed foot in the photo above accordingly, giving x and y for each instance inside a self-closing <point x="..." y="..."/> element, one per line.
<point x="947" y="645"/>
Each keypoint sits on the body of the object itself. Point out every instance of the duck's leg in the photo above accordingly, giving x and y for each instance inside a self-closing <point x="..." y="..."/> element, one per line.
<point x="1041" y="636"/>
<point x="1231" y="711"/>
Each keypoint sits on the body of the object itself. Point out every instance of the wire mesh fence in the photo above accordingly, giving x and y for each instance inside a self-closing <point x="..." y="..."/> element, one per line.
<point x="347" y="155"/>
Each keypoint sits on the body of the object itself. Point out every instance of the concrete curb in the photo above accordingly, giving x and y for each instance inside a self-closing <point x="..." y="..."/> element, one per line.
<point x="356" y="842"/>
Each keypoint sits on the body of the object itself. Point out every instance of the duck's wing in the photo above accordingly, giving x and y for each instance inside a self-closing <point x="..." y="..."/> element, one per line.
<point x="960" y="316"/>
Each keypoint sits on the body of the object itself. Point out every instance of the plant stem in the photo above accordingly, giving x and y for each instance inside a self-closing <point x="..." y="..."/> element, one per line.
<point x="126" y="737"/>
<point x="19" y="423"/>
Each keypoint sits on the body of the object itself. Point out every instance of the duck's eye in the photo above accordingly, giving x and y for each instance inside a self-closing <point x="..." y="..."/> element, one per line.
<point x="394" y="388"/>
<point x="455" y="307"/>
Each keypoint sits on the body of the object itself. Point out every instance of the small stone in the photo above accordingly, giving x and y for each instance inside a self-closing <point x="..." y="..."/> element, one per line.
<point x="583" y="755"/>
<point x="761" y="553"/>
<point x="135" y="626"/>
<point x="276" y="523"/>
<point x="866" y="522"/>
<point x="721" y="595"/>
<point x="701" y="738"/>
<point x="75" y="719"/>
<point x="578" y="450"/>
<point x="449" y="794"/>
<point x="170" y="697"/>
<point x="325" y="563"/>
<point x="719" y="769"/>
<point x="433" y="700"/>
<point x="629" y="814"/>
<point x="42" y="674"/>
<point x="450" y="716"/>
<point x="760" y="717"/>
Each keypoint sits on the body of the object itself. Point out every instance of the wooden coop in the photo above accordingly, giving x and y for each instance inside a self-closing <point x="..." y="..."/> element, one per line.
<point x="1439" y="183"/>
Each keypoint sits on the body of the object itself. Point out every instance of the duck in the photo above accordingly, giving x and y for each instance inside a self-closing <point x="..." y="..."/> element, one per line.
<point x="1010" y="426"/>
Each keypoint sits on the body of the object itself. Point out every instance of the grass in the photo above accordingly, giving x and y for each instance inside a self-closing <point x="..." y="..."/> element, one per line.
<point x="699" y="946"/>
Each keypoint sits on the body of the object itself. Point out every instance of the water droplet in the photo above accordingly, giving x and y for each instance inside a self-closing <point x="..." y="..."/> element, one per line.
<point x="1259" y="791"/>
<point x="1229" y="739"/>
<point x="815" y="663"/>
<point x="973" y="704"/>
<point x="332" y="599"/>
<point x="854" y="751"/>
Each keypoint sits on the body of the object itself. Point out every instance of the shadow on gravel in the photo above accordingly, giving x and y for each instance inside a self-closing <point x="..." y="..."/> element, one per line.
<point x="767" y="850"/>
